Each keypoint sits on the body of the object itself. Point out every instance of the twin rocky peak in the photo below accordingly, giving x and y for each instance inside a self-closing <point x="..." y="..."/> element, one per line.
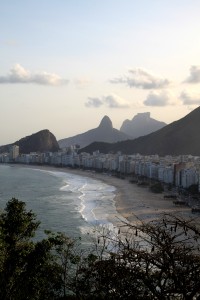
<point x="178" y="138"/>
<point x="140" y="125"/>
<point x="44" y="140"/>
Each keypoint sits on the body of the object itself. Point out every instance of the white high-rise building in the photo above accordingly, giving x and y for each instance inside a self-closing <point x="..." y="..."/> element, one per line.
<point x="14" y="152"/>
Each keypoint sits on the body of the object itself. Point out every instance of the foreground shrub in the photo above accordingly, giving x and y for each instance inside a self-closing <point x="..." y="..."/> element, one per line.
<point x="155" y="260"/>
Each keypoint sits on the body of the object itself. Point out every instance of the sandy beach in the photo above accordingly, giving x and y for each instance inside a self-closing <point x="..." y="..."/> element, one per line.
<point x="132" y="202"/>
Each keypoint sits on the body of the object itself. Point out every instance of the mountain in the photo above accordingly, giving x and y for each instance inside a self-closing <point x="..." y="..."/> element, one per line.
<point x="141" y="124"/>
<point x="103" y="133"/>
<point x="179" y="137"/>
<point x="42" y="141"/>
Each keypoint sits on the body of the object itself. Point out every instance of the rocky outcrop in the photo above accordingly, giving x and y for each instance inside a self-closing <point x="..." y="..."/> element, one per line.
<point x="141" y="124"/>
<point x="103" y="133"/>
<point x="178" y="138"/>
<point x="42" y="141"/>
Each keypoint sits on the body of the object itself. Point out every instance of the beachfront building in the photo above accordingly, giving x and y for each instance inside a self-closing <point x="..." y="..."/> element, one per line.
<point x="113" y="163"/>
<point x="23" y="159"/>
<point x="168" y="174"/>
<point x="4" y="158"/>
<point x="144" y="168"/>
<point x="182" y="171"/>
<point x="185" y="173"/>
<point x="123" y="164"/>
<point x="152" y="170"/>
<point x="189" y="177"/>
<point x="31" y="158"/>
<point x="77" y="160"/>
<point x="198" y="178"/>
<point x="67" y="159"/>
<point x="87" y="161"/>
<point x="139" y="168"/>
<point x="35" y="158"/>
<point x="13" y="152"/>
<point x="161" y="171"/>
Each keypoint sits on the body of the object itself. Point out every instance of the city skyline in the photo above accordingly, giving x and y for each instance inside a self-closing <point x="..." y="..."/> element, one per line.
<point x="66" y="64"/>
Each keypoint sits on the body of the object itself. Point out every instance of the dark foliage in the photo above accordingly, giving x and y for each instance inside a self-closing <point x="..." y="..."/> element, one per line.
<point x="155" y="260"/>
<point x="28" y="270"/>
<point x="157" y="188"/>
<point x="193" y="189"/>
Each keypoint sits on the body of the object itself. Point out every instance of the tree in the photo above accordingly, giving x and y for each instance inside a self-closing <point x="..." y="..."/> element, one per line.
<point x="28" y="270"/>
<point x="193" y="189"/>
<point x="16" y="228"/>
<point x="157" y="188"/>
<point x="68" y="255"/>
<point x="155" y="260"/>
<point x="168" y="257"/>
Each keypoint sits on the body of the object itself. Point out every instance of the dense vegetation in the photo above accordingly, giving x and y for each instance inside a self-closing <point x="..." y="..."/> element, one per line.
<point x="155" y="260"/>
<point x="157" y="187"/>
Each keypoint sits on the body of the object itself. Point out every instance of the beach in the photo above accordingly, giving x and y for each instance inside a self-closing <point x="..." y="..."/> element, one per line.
<point x="133" y="202"/>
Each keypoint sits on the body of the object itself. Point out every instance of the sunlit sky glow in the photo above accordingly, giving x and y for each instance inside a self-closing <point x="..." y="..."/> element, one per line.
<point x="67" y="63"/>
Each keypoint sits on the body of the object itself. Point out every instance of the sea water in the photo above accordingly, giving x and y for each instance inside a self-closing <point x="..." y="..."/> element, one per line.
<point x="63" y="202"/>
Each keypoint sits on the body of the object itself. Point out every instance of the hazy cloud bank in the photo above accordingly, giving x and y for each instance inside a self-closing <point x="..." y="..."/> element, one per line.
<point x="18" y="74"/>
<point x="140" y="78"/>
<point x="82" y="82"/>
<point x="189" y="99"/>
<point x="158" y="99"/>
<point x="111" y="101"/>
<point x="194" y="76"/>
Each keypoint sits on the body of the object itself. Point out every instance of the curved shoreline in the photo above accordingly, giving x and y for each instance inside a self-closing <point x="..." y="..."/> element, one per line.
<point x="132" y="202"/>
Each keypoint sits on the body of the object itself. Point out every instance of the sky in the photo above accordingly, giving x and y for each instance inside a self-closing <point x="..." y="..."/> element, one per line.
<point x="65" y="64"/>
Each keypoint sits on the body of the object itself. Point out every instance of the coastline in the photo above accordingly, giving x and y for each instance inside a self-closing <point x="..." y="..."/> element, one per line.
<point x="132" y="202"/>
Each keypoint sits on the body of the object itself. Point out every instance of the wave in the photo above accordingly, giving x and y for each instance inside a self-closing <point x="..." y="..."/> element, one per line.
<point x="94" y="199"/>
<point x="63" y="202"/>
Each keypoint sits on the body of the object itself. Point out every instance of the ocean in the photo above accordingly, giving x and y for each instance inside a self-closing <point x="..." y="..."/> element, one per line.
<point x="63" y="202"/>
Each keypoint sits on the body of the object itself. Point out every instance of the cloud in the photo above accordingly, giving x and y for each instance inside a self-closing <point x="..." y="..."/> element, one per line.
<point x="157" y="99"/>
<point x="18" y="74"/>
<point x="194" y="76"/>
<point x="189" y="99"/>
<point x="82" y="82"/>
<point x="94" y="102"/>
<point x="139" y="78"/>
<point x="111" y="101"/>
<point x="114" y="101"/>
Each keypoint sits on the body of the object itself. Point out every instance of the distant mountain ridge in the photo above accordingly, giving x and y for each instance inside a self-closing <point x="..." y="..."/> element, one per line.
<point x="178" y="138"/>
<point x="42" y="141"/>
<point x="103" y="133"/>
<point x="141" y="124"/>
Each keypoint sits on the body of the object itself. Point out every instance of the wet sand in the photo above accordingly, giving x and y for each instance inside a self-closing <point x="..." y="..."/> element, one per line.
<point x="132" y="202"/>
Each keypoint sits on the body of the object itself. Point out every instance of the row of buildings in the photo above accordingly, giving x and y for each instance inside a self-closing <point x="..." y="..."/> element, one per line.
<point x="180" y="171"/>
